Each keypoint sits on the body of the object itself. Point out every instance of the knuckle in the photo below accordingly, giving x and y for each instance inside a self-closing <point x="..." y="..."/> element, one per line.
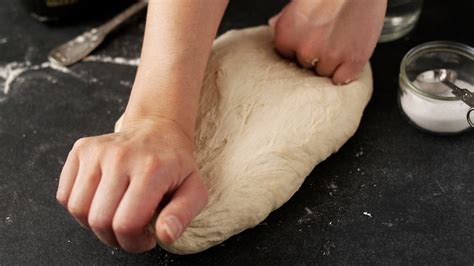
<point x="305" y="50"/>
<point x="77" y="211"/>
<point x="80" y="143"/>
<point x="282" y="37"/>
<point x="281" y="28"/>
<point x="151" y="162"/>
<point x="118" y="153"/>
<point x="281" y="43"/>
<point x="326" y="70"/>
<point x="62" y="200"/>
<point x="99" y="223"/>
<point x="125" y="227"/>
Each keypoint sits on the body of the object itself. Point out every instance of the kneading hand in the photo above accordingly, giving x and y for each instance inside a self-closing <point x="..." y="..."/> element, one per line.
<point x="336" y="38"/>
<point x="113" y="184"/>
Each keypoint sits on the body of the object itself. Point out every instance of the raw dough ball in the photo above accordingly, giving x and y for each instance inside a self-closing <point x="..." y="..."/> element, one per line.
<point x="263" y="125"/>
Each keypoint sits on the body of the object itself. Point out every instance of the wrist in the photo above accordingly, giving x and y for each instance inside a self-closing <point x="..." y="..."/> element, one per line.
<point x="133" y="120"/>
<point x="162" y="101"/>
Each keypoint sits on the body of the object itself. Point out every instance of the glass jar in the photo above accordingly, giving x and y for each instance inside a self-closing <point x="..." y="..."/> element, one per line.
<point x="400" y="18"/>
<point x="436" y="109"/>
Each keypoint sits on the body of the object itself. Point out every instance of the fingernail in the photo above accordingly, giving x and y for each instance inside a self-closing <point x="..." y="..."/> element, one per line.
<point x="347" y="81"/>
<point x="172" y="227"/>
<point x="271" y="21"/>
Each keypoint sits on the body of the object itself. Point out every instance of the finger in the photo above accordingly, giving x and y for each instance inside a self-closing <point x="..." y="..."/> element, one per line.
<point x="83" y="192"/>
<point x="185" y="204"/>
<point x="104" y="205"/>
<point x="272" y="21"/>
<point x="307" y="58"/>
<point x="67" y="179"/>
<point x="284" y="35"/>
<point x="347" y="72"/>
<point x="140" y="202"/>
<point x="283" y="47"/>
<point x="327" y="65"/>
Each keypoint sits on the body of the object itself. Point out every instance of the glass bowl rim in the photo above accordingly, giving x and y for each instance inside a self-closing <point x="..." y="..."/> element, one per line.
<point x="434" y="46"/>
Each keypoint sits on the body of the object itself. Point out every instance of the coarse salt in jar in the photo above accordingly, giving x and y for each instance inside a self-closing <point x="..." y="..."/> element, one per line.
<point x="427" y="102"/>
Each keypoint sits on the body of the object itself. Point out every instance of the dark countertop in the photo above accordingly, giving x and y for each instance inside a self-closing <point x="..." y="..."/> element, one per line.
<point x="418" y="188"/>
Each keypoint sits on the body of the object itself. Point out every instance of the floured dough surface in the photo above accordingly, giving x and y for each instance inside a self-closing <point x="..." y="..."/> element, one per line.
<point x="263" y="125"/>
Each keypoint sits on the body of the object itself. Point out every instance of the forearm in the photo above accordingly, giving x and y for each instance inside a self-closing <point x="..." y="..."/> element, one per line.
<point x="176" y="48"/>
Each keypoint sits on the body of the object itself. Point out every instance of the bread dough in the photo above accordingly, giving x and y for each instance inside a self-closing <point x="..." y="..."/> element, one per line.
<point x="262" y="126"/>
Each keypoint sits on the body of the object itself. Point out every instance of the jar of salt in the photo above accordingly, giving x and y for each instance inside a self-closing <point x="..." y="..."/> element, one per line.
<point x="436" y="91"/>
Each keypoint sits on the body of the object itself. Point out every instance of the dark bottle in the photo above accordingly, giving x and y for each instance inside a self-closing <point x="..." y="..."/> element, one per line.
<point x="53" y="10"/>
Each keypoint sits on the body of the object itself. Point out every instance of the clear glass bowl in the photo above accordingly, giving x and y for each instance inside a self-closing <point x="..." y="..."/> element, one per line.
<point x="400" y="18"/>
<point x="440" y="113"/>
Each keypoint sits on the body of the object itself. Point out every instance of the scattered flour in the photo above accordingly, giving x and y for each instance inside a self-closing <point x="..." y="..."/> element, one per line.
<point x="327" y="247"/>
<point x="367" y="214"/>
<point x="113" y="60"/>
<point x="332" y="186"/>
<point x="125" y="83"/>
<point x="11" y="71"/>
<point x="360" y="152"/>
<point x="3" y="40"/>
<point x="388" y="224"/>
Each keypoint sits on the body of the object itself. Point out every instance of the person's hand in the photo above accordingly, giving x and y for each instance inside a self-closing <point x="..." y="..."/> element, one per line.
<point x="336" y="37"/>
<point x="113" y="184"/>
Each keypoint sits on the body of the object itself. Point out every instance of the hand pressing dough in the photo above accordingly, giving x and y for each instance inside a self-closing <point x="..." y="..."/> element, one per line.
<point x="263" y="125"/>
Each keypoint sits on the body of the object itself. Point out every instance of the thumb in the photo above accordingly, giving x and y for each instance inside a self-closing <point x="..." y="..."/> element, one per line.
<point x="185" y="204"/>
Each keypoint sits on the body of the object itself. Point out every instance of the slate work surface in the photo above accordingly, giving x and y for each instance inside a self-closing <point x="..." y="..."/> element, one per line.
<point x="391" y="195"/>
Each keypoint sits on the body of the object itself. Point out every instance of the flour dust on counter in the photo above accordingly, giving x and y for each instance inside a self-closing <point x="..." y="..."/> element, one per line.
<point x="113" y="60"/>
<point x="10" y="72"/>
<point x="262" y="126"/>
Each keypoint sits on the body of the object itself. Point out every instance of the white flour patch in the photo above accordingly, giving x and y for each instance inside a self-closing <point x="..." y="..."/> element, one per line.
<point x="113" y="60"/>
<point x="3" y="40"/>
<point x="367" y="214"/>
<point x="10" y="72"/>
